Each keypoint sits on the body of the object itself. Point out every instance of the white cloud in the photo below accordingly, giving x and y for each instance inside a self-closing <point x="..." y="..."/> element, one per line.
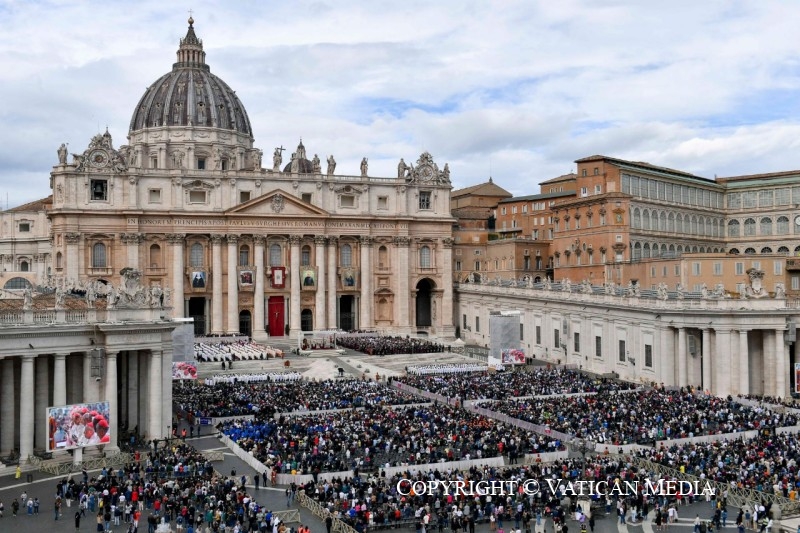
<point x="518" y="90"/>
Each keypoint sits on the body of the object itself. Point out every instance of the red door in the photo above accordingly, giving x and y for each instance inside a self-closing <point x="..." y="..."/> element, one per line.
<point x="275" y="317"/>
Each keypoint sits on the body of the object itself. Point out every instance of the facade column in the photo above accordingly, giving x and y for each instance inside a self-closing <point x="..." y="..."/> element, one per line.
<point x="133" y="389"/>
<point x="72" y="270"/>
<point x="365" y="310"/>
<point x="26" y="387"/>
<point x="722" y="363"/>
<point x="111" y="397"/>
<point x="446" y="319"/>
<point x="60" y="379"/>
<point x="666" y="356"/>
<point x="319" y="304"/>
<point x="403" y="295"/>
<point x="259" y="333"/>
<point x="155" y="431"/>
<point x="768" y="379"/>
<point x="132" y="242"/>
<point x="87" y="378"/>
<point x="143" y="392"/>
<point x="781" y="368"/>
<point x="233" y="285"/>
<point x="216" y="288"/>
<point x="707" y="383"/>
<point x="7" y="408"/>
<point x="744" y="364"/>
<point x="41" y="400"/>
<point x="683" y="363"/>
<point x="333" y="301"/>
<point x="178" y="241"/>
<point x="294" y="284"/>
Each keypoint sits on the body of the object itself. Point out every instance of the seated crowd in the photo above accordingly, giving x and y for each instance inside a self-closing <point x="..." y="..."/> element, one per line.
<point x="642" y="416"/>
<point x="768" y="462"/>
<point x="228" y="398"/>
<point x="461" y="368"/>
<point x="375" y="436"/>
<point x="485" y="386"/>
<point x="274" y="377"/>
<point x="389" y="345"/>
<point x="241" y="350"/>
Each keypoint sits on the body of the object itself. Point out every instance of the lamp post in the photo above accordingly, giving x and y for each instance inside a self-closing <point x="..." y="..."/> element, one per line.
<point x="583" y="447"/>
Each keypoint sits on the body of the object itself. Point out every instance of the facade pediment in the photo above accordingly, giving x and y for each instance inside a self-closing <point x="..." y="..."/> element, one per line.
<point x="198" y="184"/>
<point x="276" y="202"/>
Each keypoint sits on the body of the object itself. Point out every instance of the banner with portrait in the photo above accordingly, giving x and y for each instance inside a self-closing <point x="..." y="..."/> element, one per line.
<point x="278" y="277"/>
<point x="308" y="277"/>
<point x="198" y="279"/>
<point x="246" y="278"/>
<point x="349" y="278"/>
<point x="76" y="426"/>
<point x="797" y="378"/>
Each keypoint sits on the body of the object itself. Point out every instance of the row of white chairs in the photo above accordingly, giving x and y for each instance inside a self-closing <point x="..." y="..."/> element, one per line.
<point x="234" y="352"/>
<point x="278" y="377"/>
<point x="446" y="369"/>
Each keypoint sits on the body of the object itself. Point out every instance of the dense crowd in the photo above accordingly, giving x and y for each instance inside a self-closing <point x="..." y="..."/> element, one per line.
<point x="768" y="462"/>
<point x="389" y="345"/>
<point x="241" y="350"/>
<point x="642" y="416"/>
<point x="481" y="385"/>
<point x="375" y="501"/>
<point x="376" y="436"/>
<point x="228" y="398"/>
<point x="786" y="402"/>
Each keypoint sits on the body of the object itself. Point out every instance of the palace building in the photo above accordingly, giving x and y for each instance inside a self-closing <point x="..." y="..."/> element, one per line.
<point x="247" y="249"/>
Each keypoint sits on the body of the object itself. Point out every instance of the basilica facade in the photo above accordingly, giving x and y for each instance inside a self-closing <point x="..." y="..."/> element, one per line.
<point x="243" y="248"/>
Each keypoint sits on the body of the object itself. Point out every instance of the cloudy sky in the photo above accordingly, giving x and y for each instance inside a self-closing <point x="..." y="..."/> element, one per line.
<point x="516" y="90"/>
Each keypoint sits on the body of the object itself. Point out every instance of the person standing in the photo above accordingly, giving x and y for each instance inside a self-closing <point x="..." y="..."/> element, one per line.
<point x="77" y="520"/>
<point x="256" y="479"/>
<point x="57" y="507"/>
<point x="328" y="522"/>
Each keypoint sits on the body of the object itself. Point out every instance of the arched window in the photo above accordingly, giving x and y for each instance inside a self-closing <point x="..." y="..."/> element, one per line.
<point x="663" y="250"/>
<point x="662" y="221"/>
<point x="646" y="250"/>
<point x="305" y="256"/>
<point x="694" y="225"/>
<point x="797" y="250"/>
<point x="155" y="256"/>
<point x="17" y="283"/>
<point x="733" y="228"/>
<point x="671" y="223"/>
<point x="24" y="266"/>
<point x="196" y="255"/>
<point x="99" y="255"/>
<point x="383" y="257"/>
<point x="783" y="225"/>
<point x="783" y="250"/>
<point x="645" y="219"/>
<point x="766" y="226"/>
<point x="766" y="250"/>
<point x="702" y="249"/>
<point x="750" y="251"/>
<point x="346" y="255"/>
<point x="244" y="256"/>
<point x="694" y="249"/>
<point x="734" y="251"/>
<point x="750" y="227"/>
<point x="637" y="250"/>
<point x="59" y="259"/>
<point x="637" y="218"/>
<point x="701" y="226"/>
<point x="275" y="255"/>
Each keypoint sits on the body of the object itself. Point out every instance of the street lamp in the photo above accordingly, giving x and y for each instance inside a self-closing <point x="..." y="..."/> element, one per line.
<point x="583" y="447"/>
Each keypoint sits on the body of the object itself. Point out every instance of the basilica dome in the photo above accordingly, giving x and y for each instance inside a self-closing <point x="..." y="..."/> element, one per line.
<point x="190" y="95"/>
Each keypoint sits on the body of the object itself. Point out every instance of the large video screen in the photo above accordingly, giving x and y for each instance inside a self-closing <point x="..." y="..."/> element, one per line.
<point x="184" y="370"/>
<point x="76" y="426"/>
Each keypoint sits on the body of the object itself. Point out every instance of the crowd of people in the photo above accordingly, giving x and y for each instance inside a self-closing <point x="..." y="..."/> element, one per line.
<point x="457" y="368"/>
<point x="536" y="382"/>
<point x="226" y="398"/>
<point x="389" y="345"/>
<point x="768" y="462"/>
<point x="772" y="400"/>
<point x="377" y="436"/>
<point x="238" y="350"/>
<point x="642" y="416"/>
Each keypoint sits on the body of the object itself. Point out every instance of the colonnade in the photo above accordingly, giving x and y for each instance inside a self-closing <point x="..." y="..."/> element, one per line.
<point x="31" y="383"/>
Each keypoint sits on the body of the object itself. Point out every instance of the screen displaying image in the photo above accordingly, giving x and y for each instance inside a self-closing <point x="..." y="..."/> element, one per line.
<point x="77" y="426"/>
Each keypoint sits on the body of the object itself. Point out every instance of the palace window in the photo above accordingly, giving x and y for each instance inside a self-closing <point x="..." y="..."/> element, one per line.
<point x="346" y="255"/>
<point x="275" y="255"/>
<point x="425" y="257"/>
<point x="305" y="256"/>
<point x="196" y="255"/>
<point x="99" y="255"/>
<point x="155" y="256"/>
<point x="425" y="200"/>
<point x="244" y="255"/>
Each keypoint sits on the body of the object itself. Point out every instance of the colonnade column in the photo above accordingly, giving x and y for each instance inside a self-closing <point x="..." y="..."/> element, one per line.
<point x="744" y="363"/>
<point x="133" y="389"/>
<point x="177" y="240"/>
<point x="319" y="304"/>
<point x="7" y="407"/>
<point x="707" y="359"/>
<point x="72" y="241"/>
<point x="111" y="397"/>
<point x="446" y="319"/>
<point x="26" y="409"/>
<point x="768" y="379"/>
<point x="155" y="408"/>
<point x="60" y="379"/>
<point x="666" y="356"/>
<point x="722" y="363"/>
<point x="403" y="294"/>
<point x="294" y="285"/>
<point x="41" y="399"/>
<point x="365" y="312"/>
<point x="217" y="326"/>
<point x="258" y="299"/>
<point x="781" y="368"/>
<point x="332" y="300"/>
<point x="233" y="287"/>
<point x="683" y="364"/>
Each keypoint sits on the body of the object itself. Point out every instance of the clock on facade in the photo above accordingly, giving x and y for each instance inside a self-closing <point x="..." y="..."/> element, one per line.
<point x="426" y="172"/>
<point x="797" y="220"/>
<point x="98" y="158"/>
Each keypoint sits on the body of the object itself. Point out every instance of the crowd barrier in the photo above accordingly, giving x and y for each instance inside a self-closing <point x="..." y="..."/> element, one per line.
<point x="450" y="465"/>
<point x="321" y="512"/>
<point x="766" y="405"/>
<point x="522" y="424"/>
<point x="422" y="393"/>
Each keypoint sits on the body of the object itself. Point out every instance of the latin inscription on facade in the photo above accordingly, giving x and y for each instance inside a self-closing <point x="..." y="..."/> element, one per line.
<point x="261" y="223"/>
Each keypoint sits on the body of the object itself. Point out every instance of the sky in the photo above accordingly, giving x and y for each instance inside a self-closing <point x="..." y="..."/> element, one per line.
<point x="513" y="90"/>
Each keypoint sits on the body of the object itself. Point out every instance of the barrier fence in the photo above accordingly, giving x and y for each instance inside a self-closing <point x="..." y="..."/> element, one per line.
<point x="321" y="512"/>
